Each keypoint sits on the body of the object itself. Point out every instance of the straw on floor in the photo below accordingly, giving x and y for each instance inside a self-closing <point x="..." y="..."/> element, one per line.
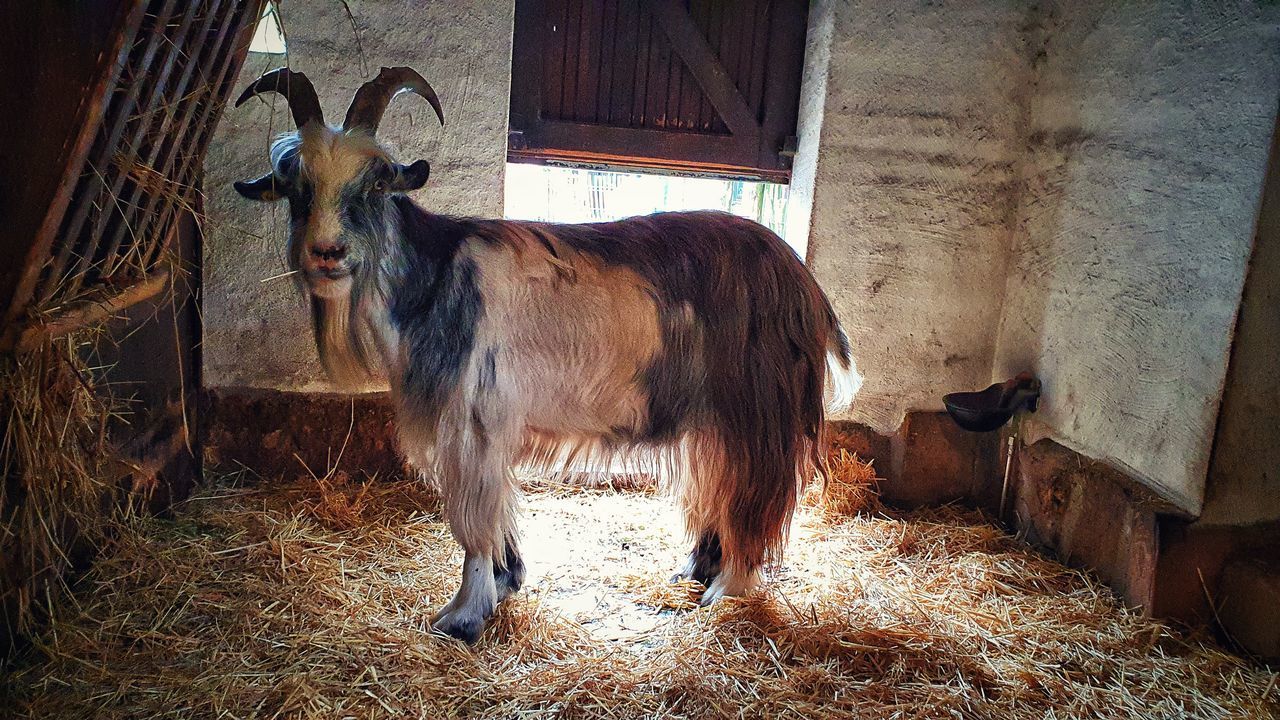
<point x="311" y="599"/>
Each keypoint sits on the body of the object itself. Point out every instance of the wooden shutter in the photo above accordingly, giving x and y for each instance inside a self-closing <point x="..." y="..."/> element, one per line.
<point x="702" y="86"/>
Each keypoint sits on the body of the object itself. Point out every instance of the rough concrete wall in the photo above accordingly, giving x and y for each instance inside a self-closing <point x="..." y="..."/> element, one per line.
<point x="258" y="334"/>
<point x="1148" y="130"/>
<point x="912" y="193"/>
<point x="1244" y="474"/>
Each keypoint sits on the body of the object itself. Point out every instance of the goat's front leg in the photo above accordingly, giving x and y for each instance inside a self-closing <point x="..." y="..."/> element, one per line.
<point x="479" y="499"/>
<point x="466" y="614"/>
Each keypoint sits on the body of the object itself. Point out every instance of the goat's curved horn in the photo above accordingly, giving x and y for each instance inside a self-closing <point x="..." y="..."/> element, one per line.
<point x="372" y="98"/>
<point x="296" y="89"/>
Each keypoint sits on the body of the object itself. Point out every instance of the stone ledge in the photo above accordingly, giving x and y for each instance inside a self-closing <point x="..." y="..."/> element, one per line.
<point x="278" y="434"/>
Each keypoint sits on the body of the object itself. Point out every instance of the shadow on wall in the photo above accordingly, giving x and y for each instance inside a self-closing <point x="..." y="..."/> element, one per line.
<point x="1050" y="125"/>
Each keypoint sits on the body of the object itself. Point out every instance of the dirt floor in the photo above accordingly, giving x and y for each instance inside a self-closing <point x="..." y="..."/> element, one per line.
<point x="312" y="599"/>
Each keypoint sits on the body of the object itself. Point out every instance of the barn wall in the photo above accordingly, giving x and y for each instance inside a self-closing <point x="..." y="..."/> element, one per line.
<point x="1065" y="187"/>
<point x="911" y="199"/>
<point x="257" y="334"/>
<point x="1148" y="133"/>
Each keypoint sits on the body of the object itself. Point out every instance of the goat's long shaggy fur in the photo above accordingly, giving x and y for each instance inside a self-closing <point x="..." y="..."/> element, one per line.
<point x="698" y="335"/>
<point x="698" y="339"/>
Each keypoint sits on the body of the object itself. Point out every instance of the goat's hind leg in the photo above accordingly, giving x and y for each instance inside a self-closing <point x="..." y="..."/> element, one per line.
<point x="704" y="562"/>
<point x="510" y="575"/>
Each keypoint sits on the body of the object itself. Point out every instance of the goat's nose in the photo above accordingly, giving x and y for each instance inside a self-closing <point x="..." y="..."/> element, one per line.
<point x="329" y="251"/>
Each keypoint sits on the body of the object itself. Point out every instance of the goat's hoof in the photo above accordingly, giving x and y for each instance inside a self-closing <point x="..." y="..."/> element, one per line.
<point x="699" y="573"/>
<point x="459" y="624"/>
<point x="729" y="584"/>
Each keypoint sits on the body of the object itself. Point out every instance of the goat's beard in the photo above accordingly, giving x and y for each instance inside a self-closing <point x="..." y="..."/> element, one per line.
<point x="347" y="351"/>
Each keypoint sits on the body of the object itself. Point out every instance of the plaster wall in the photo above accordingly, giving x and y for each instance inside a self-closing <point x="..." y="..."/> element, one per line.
<point x="911" y="198"/>
<point x="1148" y="128"/>
<point x="258" y="334"/>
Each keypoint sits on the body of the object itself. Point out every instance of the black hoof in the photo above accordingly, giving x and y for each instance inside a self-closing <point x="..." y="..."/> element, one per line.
<point x="467" y="630"/>
<point x="511" y="578"/>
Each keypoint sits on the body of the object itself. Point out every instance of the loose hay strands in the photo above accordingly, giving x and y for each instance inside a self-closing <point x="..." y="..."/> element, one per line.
<point x="849" y="488"/>
<point x="311" y="599"/>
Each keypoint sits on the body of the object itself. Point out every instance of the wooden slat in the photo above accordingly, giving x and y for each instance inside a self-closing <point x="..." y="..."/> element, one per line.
<point x="691" y="96"/>
<point x="622" y="83"/>
<point x="713" y="28"/>
<point x="719" y="153"/>
<point x="705" y="67"/>
<point x="759" y="53"/>
<point x="587" y="65"/>
<point x="552" y="54"/>
<point x="639" y="100"/>
<point x="569" y="67"/>
<point x="732" y="42"/>
<point x="657" y="91"/>
<point x="91" y="184"/>
<point x="604" y="63"/>
<point x="645" y="163"/>
<point x="162" y="133"/>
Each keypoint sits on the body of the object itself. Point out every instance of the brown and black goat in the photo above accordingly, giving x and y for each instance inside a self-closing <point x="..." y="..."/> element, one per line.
<point x="698" y="337"/>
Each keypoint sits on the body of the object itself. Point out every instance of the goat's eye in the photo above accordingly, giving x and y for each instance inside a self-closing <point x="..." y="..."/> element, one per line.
<point x="380" y="186"/>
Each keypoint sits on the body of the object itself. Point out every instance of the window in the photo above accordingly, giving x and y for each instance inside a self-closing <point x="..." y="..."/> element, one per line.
<point x="268" y="37"/>
<point x="560" y="194"/>
<point x="695" y="86"/>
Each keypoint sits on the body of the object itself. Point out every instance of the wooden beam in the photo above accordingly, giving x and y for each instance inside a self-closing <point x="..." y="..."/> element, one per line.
<point x="656" y="144"/>
<point x="92" y="310"/>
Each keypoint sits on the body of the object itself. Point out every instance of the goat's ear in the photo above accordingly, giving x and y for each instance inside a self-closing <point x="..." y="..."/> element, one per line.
<point x="265" y="188"/>
<point x="411" y="177"/>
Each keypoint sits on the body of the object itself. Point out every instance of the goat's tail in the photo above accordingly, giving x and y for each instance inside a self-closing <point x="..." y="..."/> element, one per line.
<point x="843" y="380"/>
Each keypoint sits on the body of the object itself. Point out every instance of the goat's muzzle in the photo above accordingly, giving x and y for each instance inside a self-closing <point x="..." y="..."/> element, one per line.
<point x="327" y="268"/>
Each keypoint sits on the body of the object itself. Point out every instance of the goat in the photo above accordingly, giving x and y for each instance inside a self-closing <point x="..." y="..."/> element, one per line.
<point x="699" y="337"/>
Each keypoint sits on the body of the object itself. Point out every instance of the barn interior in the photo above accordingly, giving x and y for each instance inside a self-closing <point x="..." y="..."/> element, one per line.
<point x="196" y="524"/>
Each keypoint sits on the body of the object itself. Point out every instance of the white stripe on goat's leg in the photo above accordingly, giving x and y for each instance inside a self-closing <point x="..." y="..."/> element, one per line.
<point x="733" y="581"/>
<point x="466" y="614"/>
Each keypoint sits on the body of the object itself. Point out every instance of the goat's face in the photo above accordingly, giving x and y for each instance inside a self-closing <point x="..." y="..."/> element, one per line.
<point x="338" y="182"/>
<point x="339" y="186"/>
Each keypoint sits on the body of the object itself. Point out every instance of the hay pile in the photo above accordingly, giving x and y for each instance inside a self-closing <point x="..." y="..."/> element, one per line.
<point x="312" y="599"/>
<point x="60" y="477"/>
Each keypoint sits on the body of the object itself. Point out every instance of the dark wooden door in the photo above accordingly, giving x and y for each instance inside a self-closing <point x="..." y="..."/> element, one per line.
<point x="704" y="86"/>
